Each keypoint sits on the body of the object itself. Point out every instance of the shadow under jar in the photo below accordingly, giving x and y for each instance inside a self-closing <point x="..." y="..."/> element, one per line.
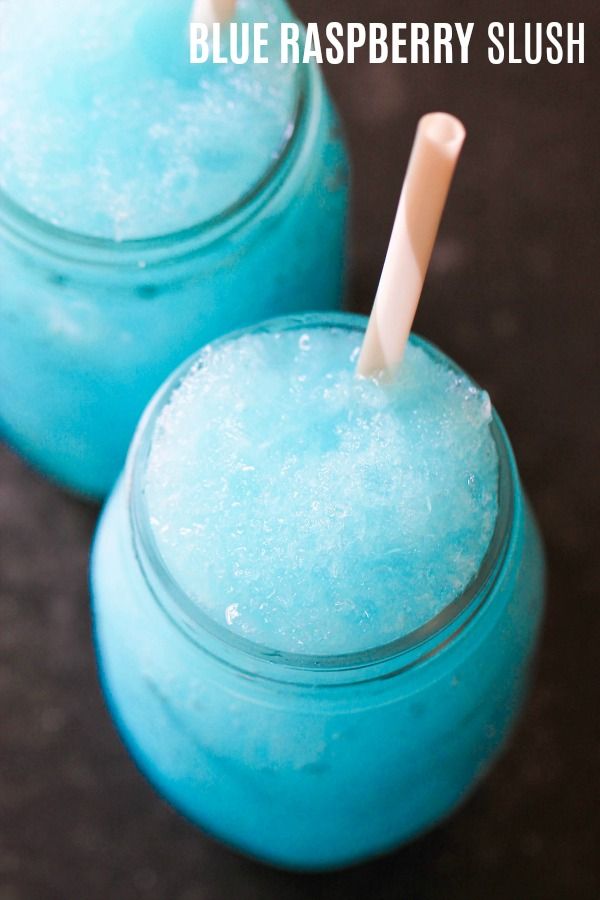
<point x="90" y="327"/>
<point x="313" y="761"/>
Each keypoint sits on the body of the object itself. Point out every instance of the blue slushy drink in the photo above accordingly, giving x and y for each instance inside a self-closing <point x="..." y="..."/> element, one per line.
<point x="312" y="511"/>
<point x="146" y="206"/>
<point x="317" y="595"/>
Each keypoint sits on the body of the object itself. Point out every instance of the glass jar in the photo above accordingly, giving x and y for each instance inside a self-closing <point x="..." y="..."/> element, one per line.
<point x="89" y="328"/>
<point x="313" y="762"/>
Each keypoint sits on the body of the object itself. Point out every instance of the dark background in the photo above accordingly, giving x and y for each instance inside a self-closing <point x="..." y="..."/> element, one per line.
<point x="512" y="295"/>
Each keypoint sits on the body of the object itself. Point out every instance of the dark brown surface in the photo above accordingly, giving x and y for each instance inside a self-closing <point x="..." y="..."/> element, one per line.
<point x="513" y="296"/>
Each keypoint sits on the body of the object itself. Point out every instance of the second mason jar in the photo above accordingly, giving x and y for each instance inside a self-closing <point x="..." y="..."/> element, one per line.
<point x="92" y="323"/>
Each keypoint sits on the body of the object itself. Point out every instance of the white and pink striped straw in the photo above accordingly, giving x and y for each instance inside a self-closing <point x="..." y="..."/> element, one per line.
<point x="211" y="11"/>
<point x="435" y="152"/>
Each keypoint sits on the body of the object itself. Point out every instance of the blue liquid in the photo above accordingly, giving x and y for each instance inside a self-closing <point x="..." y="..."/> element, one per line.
<point x="316" y="759"/>
<point x="112" y="133"/>
<point x="315" y="512"/>
<point x="103" y="293"/>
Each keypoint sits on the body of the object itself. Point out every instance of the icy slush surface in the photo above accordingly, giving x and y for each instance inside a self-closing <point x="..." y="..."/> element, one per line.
<point x="315" y="512"/>
<point x="106" y="129"/>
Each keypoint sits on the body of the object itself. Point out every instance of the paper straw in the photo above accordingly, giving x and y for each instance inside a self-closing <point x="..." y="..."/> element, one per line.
<point x="211" y="11"/>
<point x="435" y="152"/>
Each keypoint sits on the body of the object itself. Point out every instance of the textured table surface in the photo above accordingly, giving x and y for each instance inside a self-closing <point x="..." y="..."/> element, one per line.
<point x="513" y="296"/>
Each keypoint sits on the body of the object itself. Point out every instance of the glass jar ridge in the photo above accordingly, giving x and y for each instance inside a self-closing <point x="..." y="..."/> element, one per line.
<point x="392" y="657"/>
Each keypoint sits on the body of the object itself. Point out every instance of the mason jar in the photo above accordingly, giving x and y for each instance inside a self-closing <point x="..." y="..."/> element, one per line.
<point x="90" y="327"/>
<point x="312" y="762"/>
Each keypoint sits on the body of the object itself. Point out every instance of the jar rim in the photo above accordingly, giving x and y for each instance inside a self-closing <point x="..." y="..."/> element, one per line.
<point x="422" y="642"/>
<point x="19" y="222"/>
